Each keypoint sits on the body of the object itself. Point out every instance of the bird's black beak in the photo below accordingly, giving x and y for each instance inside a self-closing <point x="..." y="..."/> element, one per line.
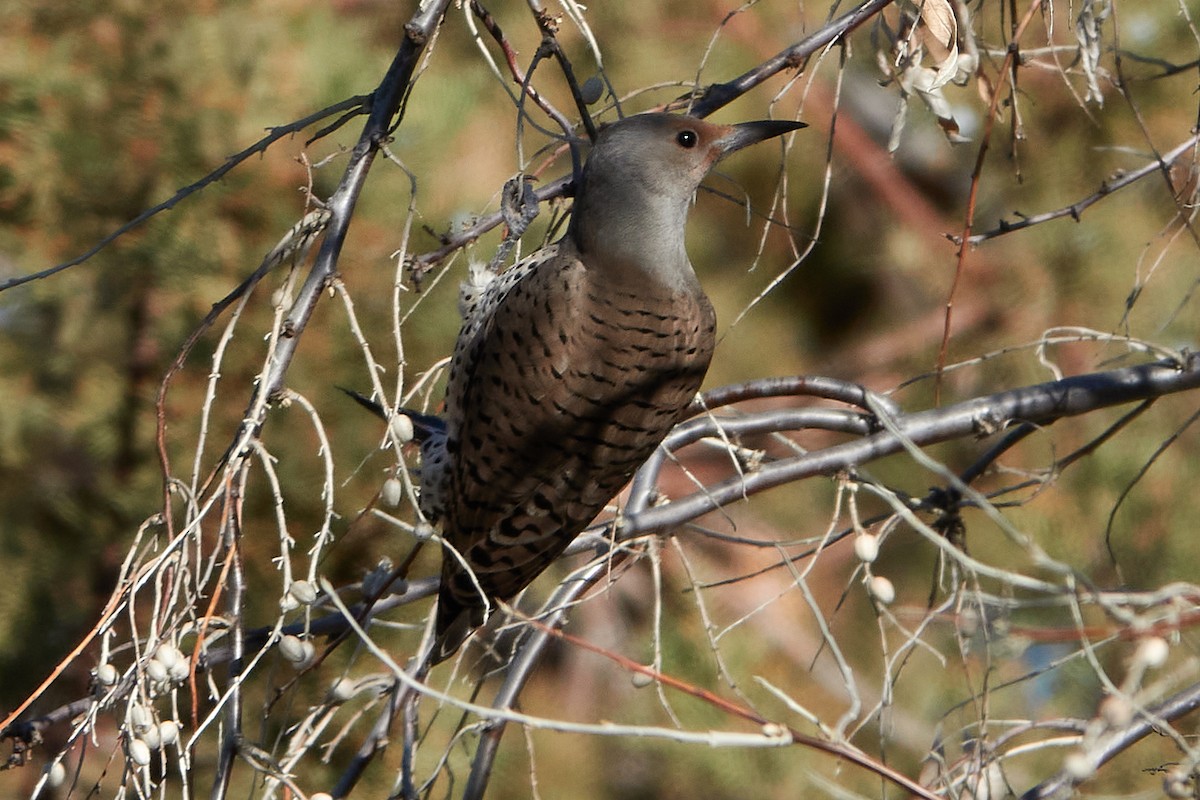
<point x="745" y="134"/>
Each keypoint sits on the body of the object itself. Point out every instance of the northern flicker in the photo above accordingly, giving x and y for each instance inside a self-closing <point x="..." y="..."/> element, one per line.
<point x="573" y="365"/>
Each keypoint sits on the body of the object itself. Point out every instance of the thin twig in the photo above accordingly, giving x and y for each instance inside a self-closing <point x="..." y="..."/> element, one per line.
<point x="354" y="103"/>
<point x="1007" y="71"/>
<point x="1076" y="209"/>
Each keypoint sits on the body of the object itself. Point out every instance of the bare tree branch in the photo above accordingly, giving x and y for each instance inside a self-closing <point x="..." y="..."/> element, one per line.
<point x="1076" y="209"/>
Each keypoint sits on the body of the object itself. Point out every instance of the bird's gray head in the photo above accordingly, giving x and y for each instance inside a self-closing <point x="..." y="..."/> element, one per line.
<point x="631" y="202"/>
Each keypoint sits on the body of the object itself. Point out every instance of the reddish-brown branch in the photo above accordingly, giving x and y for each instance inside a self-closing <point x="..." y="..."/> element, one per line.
<point x="833" y="748"/>
<point x="1006" y="70"/>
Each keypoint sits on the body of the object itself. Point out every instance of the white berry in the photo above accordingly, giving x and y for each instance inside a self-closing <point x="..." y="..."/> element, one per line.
<point x="402" y="428"/>
<point x="56" y="774"/>
<point x="140" y="718"/>
<point x="1152" y="652"/>
<point x="179" y="671"/>
<point x="168" y="732"/>
<point x="139" y="752"/>
<point x="168" y="655"/>
<point x="866" y="547"/>
<point x="107" y="675"/>
<point x="881" y="589"/>
<point x="1078" y="765"/>
<point x="342" y="690"/>
<point x="155" y="671"/>
<point x="392" y="492"/>
<point x="303" y="592"/>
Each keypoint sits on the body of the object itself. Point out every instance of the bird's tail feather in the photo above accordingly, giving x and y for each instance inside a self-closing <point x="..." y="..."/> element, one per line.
<point x="424" y="425"/>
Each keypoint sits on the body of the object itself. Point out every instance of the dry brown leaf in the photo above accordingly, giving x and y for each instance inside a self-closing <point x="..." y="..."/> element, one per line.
<point x="937" y="28"/>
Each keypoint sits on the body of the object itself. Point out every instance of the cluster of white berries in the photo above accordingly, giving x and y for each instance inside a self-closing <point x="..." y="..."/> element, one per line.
<point x="866" y="548"/>
<point x="299" y="593"/>
<point x="297" y="651"/>
<point x="144" y="732"/>
<point x="147" y="734"/>
<point x="165" y="668"/>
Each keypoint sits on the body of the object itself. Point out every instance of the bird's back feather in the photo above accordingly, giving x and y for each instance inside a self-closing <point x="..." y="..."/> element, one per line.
<point x="562" y="384"/>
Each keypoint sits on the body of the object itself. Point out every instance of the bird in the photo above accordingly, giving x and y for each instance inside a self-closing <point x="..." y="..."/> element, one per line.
<point x="573" y="365"/>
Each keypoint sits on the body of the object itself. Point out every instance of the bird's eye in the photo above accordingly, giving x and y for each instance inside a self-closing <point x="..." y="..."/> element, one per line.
<point x="687" y="139"/>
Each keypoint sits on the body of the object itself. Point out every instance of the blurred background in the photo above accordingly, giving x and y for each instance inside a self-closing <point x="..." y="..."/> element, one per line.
<point x="106" y="109"/>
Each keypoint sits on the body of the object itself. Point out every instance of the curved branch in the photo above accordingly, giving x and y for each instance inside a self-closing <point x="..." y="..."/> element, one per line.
<point x="1062" y="784"/>
<point x="1043" y="403"/>
<point x="719" y="95"/>
<point x="1076" y="209"/>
